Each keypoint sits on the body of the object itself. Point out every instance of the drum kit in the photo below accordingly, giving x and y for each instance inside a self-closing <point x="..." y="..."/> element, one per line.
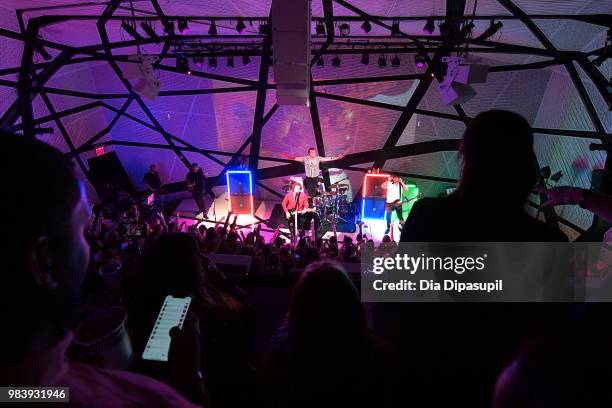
<point x="331" y="206"/>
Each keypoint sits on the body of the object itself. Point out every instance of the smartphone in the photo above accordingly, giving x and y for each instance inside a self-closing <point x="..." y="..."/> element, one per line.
<point x="132" y="230"/>
<point x="172" y="313"/>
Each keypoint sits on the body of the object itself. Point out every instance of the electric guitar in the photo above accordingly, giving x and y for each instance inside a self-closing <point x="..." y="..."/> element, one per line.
<point x="304" y="211"/>
<point x="398" y="203"/>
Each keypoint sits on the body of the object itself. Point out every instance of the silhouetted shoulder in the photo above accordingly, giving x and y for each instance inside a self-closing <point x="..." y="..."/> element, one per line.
<point x="543" y="232"/>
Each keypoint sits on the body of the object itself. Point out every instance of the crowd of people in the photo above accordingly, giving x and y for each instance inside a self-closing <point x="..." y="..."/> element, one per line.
<point x="327" y="349"/>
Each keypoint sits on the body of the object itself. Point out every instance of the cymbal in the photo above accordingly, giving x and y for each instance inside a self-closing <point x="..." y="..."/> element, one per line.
<point x="342" y="186"/>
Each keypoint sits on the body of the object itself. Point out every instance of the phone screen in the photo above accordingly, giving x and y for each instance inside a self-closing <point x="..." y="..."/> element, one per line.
<point x="172" y="314"/>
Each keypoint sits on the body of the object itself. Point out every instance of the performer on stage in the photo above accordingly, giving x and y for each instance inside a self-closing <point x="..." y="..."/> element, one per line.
<point x="296" y="200"/>
<point x="152" y="181"/>
<point x="196" y="184"/>
<point x="311" y="167"/>
<point x="394" y="186"/>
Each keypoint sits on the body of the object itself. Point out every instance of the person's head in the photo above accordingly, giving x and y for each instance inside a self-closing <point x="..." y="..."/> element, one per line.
<point x="395" y="178"/>
<point x="152" y="168"/>
<point x="499" y="164"/>
<point x="46" y="256"/>
<point x="312" y="152"/>
<point x="297" y="188"/>
<point x="326" y="309"/>
<point x="195" y="167"/>
<point x="172" y="265"/>
<point x="386" y="238"/>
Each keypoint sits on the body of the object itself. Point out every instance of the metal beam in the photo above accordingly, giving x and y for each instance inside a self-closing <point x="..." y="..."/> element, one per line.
<point x="524" y="18"/>
<point x="61" y="114"/>
<point x="584" y="96"/>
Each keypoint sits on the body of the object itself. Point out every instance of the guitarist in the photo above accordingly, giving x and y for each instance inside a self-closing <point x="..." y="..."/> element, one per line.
<point x="296" y="200"/>
<point x="394" y="186"/>
<point x="196" y="184"/>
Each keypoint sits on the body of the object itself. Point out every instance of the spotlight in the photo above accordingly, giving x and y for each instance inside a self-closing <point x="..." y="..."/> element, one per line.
<point x="131" y="31"/>
<point x="382" y="62"/>
<point x="230" y="61"/>
<point x="246" y="60"/>
<point x="182" y="64"/>
<point x="395" y="28"/>
<point x="492" y="29"/>
<point x="240" y="25"/>
<point x="466" y="30"/>
<point x="212" y="31"/>
<point x="430" y="26"/>
<point x="336" y="61"/>
<point x="198" y="60"/>
<point x="212" y="61"/>
<point x="183" y="26"/>
<point x="320" y="28"/>
<point x="345" y="29"/>
<point x="556" y="177"/>
<point x="420" y="61"/>
<point x="263" y="28"/>
<point x="366" y="26"/>
<point x="169" y="28"/>
<point x="395" y="62"/>
<point x="150" y="32"/>
<point x="320" y="62"/>
<point x="365" y="59"/>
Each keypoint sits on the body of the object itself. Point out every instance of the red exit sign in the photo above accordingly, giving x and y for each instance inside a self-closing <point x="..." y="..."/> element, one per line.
<point x="99" y="151"/>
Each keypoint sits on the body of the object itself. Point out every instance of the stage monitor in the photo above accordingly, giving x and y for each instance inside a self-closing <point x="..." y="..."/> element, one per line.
<point x="240" y="191"/>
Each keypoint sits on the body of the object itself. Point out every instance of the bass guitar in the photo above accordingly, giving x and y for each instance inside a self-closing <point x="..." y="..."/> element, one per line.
<point x="398" y="203"/>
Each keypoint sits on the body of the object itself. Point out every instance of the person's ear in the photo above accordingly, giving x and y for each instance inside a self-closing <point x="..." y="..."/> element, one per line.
<point x="41" y="264"/>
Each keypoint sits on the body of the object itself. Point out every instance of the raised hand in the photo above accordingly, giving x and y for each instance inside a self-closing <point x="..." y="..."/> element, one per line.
<point x="560" y="195"/>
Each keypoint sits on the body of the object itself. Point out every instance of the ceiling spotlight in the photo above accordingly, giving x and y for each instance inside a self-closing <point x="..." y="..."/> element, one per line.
<point x="182" y="64"/>
<point x="198" y="60"/>
<point x="212" y="31"/>
<point x="150" y="32"/>
<point x="320" y="62"/>
<point x="365" y="59"/>
<point x="382" y="62"/>
<point x="169" y="27"/>
<point x="240" y="25"/>
<point x="336" y="61"/>
<point x="183" y="26"/>
<point x="230" y="61"/>
<point x="395" y="28"/>
<point x="430" y="26"/>
<point x="345" y="29"/>
<point x="212" y="62"/>
<point x="466" y="30"/>
<point x="420" y="61"/>
<point x="246" y="60"/>
<point x="131" y="31"/>
<point x="320" y="28"/>
<point x="492" y="29"/>
<point x="395" y="62"/>
<point x="263" y="28"/>
<point x="366" y="26"/>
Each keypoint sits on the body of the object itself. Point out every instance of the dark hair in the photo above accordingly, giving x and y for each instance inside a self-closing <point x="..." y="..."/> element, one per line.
<point x="152" y="165"/>
<point x="498" y="159"/>
<point x="311" y="149"/>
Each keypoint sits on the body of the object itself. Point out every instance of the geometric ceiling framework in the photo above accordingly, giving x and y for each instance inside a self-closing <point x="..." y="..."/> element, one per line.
<point x="62" y="70"/>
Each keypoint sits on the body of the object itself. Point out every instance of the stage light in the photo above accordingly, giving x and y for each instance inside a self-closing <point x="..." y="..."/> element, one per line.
<point x="263" y="28"/>
<point x="198" y="60"/>
<point x="395" y="28"/>
<point x="320" y="28"/>
<point x="182" y="64"/>
<point x="336" y="61"/>
<point x="169" y="28"/>
<point x="395" y="62"/>
<point x="183" y="26"/>
<point x="212" y="61"/>
<point x="320" y="62"/>
<point x="492" y="29"/>
<point x="420" y="61"/>
<point x="150" y="32"/>
<point x="430" y="26"/>
<point x="246" y="60"/>
<point x="230" y="61"/>
<point x="382" y="62"/>
<point x="366" y="26"/>
<point x="212" y="30"/>
<point x="466" y="30"/>
<point x="345" y="29"/>
<point x="556" y="177"/>
<point x="365" y="59"/>
<point x="131" y="31"/>
<point x="240" y="25"/>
